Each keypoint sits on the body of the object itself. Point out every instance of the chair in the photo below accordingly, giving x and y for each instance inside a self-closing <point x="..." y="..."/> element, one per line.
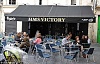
<point x="58" y="43"/>
<point x="43" y="55"/>
<point x="1" y="35"/>
<point x="4" y="43"/>
<point x="71" y="57"/>
<point x="86" y="45"/>
<point x="39" y="47"/>
<point x="11" y="40"/>
<point x="89" y="52"/>
<point x="54" y="50"/>
<point x="1" y="49"/>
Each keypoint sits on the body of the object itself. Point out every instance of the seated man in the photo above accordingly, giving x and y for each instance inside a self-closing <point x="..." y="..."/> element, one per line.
<point x="25" y="43"/>
<point x="66" y="40"/>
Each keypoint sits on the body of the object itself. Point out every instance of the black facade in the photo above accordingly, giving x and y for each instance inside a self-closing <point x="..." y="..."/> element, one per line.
<point x="53" y="20"/>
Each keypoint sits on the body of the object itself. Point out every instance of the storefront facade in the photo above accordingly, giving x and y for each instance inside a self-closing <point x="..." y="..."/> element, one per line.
<point x="53" y="20"/>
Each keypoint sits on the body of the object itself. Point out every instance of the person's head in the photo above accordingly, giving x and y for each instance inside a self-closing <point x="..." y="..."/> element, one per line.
<point x="68" y="37"/>
<point x="70" y="32"/>
<point x="24" y="33"/>
<point x="77" y="38"/>
<point x="83" y="36"/>
<point x="38" y="35"/>
<point x="86" y="37"/>
<point x="19" y="34"/>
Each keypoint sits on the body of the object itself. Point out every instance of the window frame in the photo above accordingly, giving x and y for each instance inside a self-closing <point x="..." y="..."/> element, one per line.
<point x="12" y="2"/>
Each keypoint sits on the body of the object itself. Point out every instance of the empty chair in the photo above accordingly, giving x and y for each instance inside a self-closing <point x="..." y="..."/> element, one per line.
<point x="1" y="49"/>
<point x="4" y="43"/>
<point x="58" y="43"/>
<point x="88" y="53"/>
<point x="43" y="55"/>
<point x="11" y="40"/>
<point x="71" y="57"/>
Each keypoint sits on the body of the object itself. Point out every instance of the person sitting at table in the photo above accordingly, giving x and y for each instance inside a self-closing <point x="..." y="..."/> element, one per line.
<point x="25" y="44"/>
<point x="17" y="37"/>
<point x="38" y="39"/>
<point x="24" y="36"/>
<point x="77" y="40"/>
<point x="70" y="35"/>
<point x="78" y="43"/>
<point x="87" y="39"/>
<point x="66" y="40"/>
<point x="83" y="40"/>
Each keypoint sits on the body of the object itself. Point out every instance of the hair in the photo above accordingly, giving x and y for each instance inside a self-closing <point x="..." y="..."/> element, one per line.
<point x="76" y="37"/>
<point x="83" y="36"/>
<point x="19" y="34"/>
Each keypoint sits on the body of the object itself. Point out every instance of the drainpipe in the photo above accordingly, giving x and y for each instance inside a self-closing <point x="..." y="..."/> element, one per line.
<point x="40" y="2"/>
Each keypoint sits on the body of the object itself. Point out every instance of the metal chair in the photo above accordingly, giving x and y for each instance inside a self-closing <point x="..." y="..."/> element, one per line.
<point x="71" y="57"/>
<point x="43" y="55"/>
<point x="4" y="43"/>
<point x="38" y="47"/>
<point x="1" y="49"/>
<point x="11" y="40"/>
<point x="88" y="53"/>
<point x="58" y="43"/>
<point x="86" y="45"/>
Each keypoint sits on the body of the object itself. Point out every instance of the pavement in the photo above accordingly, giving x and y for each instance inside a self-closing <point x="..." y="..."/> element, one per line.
<point x="56" y="59"/>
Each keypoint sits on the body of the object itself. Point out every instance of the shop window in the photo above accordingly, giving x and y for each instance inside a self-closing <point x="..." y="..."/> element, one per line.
<point x="73" y="2"/>
<point x="40" y="2"/>
<point x="12" y="2"/>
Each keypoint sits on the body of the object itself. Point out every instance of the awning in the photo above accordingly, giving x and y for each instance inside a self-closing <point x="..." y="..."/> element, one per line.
<point x="52" y="13"/>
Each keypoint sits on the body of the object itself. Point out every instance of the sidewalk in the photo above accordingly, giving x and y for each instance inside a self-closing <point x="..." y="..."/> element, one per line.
<point x="56" y="60"/>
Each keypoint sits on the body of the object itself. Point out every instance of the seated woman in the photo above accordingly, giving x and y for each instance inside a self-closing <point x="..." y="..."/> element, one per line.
<point x="78" y="43"/>
<point x="87" y="39"/>
<point x="77" y="40"/>
<point x="38" y="39"/>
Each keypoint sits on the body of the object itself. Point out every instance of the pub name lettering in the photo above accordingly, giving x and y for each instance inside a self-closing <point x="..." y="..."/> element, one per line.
<point x="47" y="19"/>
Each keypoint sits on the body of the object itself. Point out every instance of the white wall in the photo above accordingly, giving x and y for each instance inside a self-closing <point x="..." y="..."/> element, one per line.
<point x="22" y="2"/>
<point x="9" y="9"/>
<point x="86" y="2"/>
<point x="54" y="2"/>
<point x="27" y="2"/>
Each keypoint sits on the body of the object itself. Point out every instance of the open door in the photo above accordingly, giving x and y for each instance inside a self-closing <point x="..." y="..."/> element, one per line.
<point x="98" y="32"/>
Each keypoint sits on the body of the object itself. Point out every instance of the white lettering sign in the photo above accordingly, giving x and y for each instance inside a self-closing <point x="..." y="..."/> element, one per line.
<point x="88" y="20"/>
<point x="10" y="18"/>
<point x="47" y="19"/>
